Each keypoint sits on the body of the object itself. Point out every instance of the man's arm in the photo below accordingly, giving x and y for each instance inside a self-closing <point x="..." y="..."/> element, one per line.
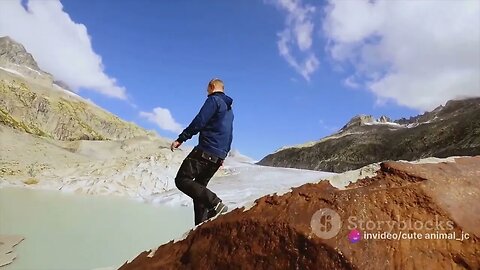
<point x="206" y="112"/>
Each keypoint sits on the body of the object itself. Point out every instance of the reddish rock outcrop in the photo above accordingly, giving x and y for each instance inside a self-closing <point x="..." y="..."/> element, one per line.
<point x="437" y="200"/>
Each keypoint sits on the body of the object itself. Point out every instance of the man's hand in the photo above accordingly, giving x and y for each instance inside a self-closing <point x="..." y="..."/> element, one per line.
<point x="175" y="145"/>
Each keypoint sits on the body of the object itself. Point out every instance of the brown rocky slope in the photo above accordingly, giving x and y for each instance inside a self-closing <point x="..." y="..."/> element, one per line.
<point x="276" y="233"/>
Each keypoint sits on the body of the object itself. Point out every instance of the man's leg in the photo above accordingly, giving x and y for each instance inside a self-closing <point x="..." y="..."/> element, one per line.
<point x="202" y="212"/>
<point x="191" y="169"/>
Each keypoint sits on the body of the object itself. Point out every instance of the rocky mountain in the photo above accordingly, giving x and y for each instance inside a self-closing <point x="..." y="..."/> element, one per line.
<point x="16" y="60"/>
<point x="449" y="130"/>
<point x="402" y="200"/>
<point x="34" y="102"/>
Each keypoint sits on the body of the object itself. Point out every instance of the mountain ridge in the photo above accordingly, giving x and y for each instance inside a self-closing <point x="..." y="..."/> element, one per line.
<point x="34" y="102"/>
<point x="449" y="130"/>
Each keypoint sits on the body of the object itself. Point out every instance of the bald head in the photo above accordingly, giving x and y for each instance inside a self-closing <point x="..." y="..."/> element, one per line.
<point x="215" y="85"/>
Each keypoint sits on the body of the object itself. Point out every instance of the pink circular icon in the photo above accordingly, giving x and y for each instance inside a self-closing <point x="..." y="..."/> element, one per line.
<point x="354" y="236"/>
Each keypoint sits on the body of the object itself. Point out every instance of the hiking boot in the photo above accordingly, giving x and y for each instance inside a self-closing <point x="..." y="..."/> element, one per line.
<point x="220" y="208"/>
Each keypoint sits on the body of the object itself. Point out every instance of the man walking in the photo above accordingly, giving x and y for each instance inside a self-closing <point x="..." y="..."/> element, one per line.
<point x="215" y="124"/>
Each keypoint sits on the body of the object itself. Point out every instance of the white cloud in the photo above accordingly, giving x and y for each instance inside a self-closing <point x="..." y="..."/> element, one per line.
<point x="59" y="45"/>
<point x="296" y="38"/>
<point x="163" y="118"/>
<point x="351" y="82"/>
<point x="417" y="53"/>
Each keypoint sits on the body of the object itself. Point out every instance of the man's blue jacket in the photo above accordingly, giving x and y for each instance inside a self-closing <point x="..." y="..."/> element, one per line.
<point x="215" y="124"/>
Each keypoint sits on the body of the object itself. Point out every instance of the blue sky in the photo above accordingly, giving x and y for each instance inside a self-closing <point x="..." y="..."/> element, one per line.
<point x="163" y="53"/>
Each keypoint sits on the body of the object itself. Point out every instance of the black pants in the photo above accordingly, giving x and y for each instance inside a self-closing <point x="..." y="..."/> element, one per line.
<point x="192" y="179"/>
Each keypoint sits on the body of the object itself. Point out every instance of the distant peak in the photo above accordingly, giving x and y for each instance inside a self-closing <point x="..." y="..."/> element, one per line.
<point x="359" y="120"/>
<point x="14" y="55"/>
<point x="367" y="120"/>
<point x="384" y="119"/>
<point x="7" y="39"/>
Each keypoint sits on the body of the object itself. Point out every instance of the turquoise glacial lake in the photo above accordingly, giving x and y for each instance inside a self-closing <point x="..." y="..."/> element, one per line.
<point x="70" y="231"/>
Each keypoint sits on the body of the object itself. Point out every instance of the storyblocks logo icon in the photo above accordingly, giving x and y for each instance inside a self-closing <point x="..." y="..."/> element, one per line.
<point x="326" y="223"/>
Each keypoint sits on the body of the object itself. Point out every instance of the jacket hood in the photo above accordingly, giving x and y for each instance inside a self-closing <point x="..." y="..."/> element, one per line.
<point x="228" y="100"/>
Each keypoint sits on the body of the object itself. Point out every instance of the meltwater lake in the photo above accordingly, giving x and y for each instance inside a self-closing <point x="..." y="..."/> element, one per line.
<point x="70" y="231"/>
